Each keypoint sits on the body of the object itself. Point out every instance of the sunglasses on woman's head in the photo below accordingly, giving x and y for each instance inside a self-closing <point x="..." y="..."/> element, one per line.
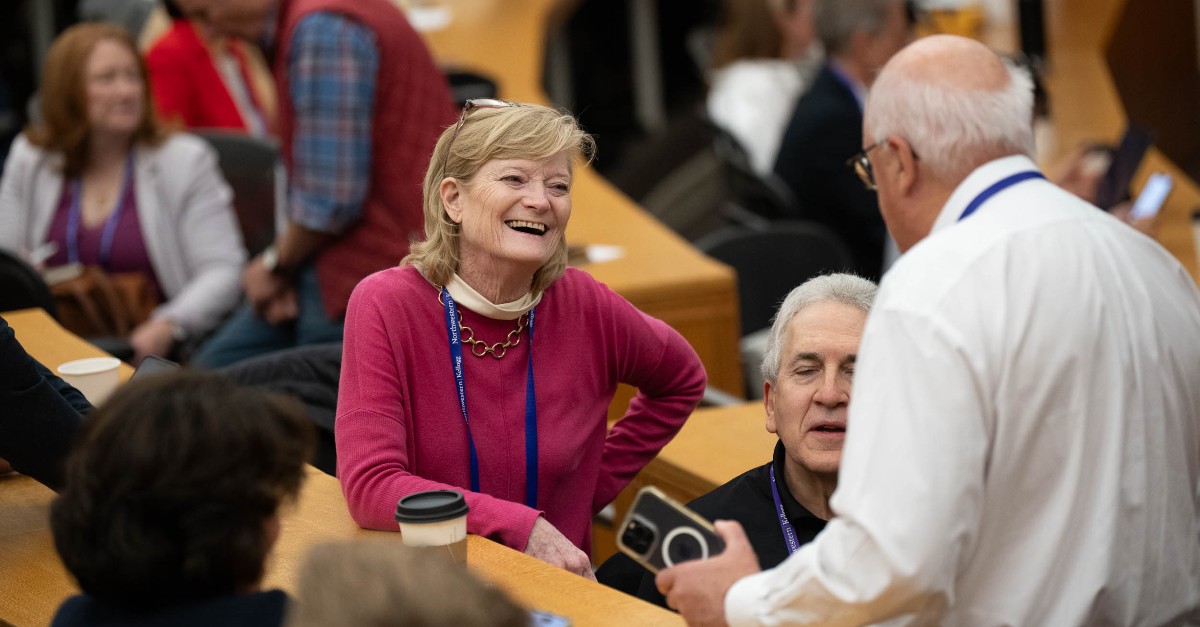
<point x="471" y="105"/>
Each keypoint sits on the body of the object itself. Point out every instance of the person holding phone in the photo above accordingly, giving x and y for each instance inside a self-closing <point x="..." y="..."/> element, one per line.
<point x="1026" y="417"/>
<point x="808" y="371"/>
<point x="484" y="364"/>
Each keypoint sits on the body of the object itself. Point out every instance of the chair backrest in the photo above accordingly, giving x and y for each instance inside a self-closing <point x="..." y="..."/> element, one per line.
<point x="21" y="287"/>
<point x="766" y="195"/>
<point x="769" y="263"/>
<point x="254" y="170"/>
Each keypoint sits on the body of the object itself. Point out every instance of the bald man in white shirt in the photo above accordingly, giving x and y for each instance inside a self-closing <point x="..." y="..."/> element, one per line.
<point x="1024" y="441"/>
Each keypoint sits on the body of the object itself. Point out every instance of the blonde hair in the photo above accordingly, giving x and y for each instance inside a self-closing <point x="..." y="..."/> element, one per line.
<point x="383" y="582"/>
<point x="521" y="131"/>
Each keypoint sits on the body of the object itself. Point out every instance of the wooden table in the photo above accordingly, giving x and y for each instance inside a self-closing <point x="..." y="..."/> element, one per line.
<point x="716" y="445"/>
<point x="35" y="582"/>
<point x="660" y="272"/>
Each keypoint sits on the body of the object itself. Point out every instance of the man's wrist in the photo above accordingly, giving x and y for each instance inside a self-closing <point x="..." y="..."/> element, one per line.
<point x="269" y="258"/>
<point x="179" y="334"/>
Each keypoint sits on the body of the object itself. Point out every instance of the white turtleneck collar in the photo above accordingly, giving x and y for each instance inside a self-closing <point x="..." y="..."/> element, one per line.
<point x="466" y="296"/>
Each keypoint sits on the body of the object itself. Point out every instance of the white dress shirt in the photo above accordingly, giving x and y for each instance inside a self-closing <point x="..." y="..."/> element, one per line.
<point x="1023" y="445"/>
<point x="753" y="100"/>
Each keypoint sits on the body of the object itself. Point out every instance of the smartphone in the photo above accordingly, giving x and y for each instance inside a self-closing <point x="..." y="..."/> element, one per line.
<point x="1113" y="187"/>
<point x="659" y="533"/>
<point x="153" y="364"/>
<point x="538" y="618"/>
<point x="1153" y="195"/>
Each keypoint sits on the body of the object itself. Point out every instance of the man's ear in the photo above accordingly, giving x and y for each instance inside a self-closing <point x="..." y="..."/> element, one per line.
<point x="451" y="192"/>
<point x="905" y="164"/>
<point x="769" y="405"/>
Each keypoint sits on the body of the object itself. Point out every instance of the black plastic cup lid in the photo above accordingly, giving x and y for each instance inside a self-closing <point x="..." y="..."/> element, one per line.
<point x="430" y="507"/>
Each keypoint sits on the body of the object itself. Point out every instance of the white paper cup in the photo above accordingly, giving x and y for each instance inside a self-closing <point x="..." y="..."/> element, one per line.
<point x="95" y="377"/>
<point x="435" y="519"/>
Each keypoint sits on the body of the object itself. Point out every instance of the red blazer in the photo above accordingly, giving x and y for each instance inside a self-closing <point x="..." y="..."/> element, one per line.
<point x="186" y="85"/>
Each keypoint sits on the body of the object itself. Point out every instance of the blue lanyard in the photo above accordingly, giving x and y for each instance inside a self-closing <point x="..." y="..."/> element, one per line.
<point x="531" y="443"/>
<point x="998" y="187"/>
<point x="110" y="226"/>
<point x="789" y="532"/>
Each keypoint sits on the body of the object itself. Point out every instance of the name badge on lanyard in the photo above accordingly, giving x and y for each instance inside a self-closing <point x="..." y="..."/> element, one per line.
<point x="789" y="531"/>
<point x="75" y="216"/>
<point x="531" y="443"/>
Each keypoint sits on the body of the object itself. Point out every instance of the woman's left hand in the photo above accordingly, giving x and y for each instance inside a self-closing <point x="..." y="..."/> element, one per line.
<point x="551" y="546"/>
<point x="152" y="337"/>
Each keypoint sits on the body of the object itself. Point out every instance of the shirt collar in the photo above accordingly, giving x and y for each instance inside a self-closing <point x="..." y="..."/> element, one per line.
<point x="794" y="510"/>
<point x="975" y="183"/>
<point x="468" y="297"/>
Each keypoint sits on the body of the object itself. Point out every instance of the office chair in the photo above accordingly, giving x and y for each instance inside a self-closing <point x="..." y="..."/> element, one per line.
<point x="763" y="196"/>
<point x="253" y="167"/>
<point x="21" y="287"/>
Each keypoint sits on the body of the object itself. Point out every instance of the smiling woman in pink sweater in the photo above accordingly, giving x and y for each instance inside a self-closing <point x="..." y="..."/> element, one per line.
<point x="483" y="364"/>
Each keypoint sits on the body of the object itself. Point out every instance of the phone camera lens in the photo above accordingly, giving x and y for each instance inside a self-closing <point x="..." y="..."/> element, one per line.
<point x="638" y="537"/>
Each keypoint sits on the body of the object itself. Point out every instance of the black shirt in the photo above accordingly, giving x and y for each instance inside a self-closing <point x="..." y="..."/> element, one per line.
<point x="39" y="413"/>
<point x="261" y="609"/>
<point x="746" y="499"/>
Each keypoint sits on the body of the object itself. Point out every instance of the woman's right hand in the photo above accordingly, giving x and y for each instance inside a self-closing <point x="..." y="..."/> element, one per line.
<point x="552" y="547"/>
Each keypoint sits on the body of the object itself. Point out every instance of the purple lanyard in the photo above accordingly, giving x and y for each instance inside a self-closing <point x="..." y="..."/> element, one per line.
<point x="531" y="443"/>
<point x="998" y="187"/>
<point x="848" y="83"/>
<point x="74" y="217"/>
<point x="789" y="532"/>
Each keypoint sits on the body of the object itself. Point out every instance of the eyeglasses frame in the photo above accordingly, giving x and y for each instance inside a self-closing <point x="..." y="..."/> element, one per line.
<point x="469" y="106"/>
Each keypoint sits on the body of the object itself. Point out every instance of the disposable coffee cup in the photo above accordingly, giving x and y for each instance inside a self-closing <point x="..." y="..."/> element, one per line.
<point x="95" y="377"/>
<point x="436" y="519"/>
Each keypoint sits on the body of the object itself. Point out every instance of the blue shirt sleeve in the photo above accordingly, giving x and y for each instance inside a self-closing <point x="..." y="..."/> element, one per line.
<point x="332" y="65"/>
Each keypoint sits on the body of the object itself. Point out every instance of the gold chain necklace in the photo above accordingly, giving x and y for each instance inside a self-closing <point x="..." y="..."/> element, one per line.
<point x="479" y="348"/>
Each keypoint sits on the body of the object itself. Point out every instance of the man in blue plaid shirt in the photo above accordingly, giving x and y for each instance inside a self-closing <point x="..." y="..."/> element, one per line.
<point x="361" y="108"/>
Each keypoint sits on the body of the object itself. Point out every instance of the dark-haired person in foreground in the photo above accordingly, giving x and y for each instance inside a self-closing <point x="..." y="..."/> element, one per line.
<point x="807" y="371"/>
<point x="170" y="503"/>
<point x="39" y="414"/>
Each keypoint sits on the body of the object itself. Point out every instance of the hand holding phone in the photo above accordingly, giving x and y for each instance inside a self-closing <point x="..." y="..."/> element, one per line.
<point x="659" y="533"/>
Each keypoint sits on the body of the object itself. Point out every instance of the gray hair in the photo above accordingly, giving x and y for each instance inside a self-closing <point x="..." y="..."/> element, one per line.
<point x="847" y="289"/>
<point x="836" y="21"/>
<point x="954" y="129"/>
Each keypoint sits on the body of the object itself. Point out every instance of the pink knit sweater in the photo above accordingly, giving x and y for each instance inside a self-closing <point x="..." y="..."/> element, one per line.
<point x="399" y="428"/>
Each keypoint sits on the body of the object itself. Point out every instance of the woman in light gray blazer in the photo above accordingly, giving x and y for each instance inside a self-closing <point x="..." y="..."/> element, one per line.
<point x="98" y="182"/>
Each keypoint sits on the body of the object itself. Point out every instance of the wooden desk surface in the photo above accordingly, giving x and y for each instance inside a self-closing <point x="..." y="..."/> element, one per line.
<point x="660" y="272"/>
<point x="35" y="581"/>
<point x="49" y="343"/>
<point x="714" y="446"/>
